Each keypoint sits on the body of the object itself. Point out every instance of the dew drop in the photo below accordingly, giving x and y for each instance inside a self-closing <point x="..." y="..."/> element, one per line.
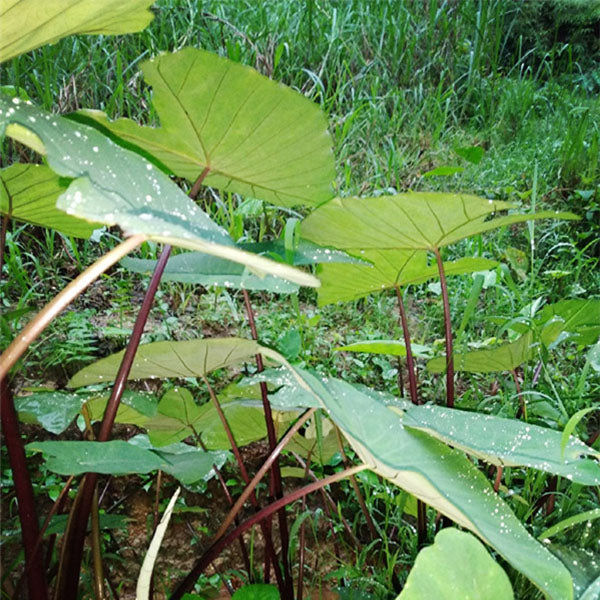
<point x="95" y="149"/>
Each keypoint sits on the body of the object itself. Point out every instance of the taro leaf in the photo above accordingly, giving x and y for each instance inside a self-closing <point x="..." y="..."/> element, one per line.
<point x="441" y="477"/>
<point x="206" y="270"/>
<point x="256" y="591"/>
<point x="581" y="318"/>
<point x="304" y="253"/>
<point x="457" y="565"/>
<point x="29" y="192"/>
<point x="135" y="407"/>
<point x="192" y="358"/>
<point x="345" y="282"/>
<point x="115" y="186"/>
<point x="584" y="567"/>
<point x="393" y="347"/>
<point x="54" y="411"/>
<point x="505" y="357"/>
<point x="257" y="137"/>
<point x="416" y="220"/>
<point x="117" y="457"/>
<point x="507" y="442"/>
<point x="28" y="24"/>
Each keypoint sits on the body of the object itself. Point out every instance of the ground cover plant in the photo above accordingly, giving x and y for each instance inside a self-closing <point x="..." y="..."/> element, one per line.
<point x="239" y="173"/>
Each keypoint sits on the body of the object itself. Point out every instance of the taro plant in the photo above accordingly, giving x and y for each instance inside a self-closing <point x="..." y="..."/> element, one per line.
<point x="225" y="126"/>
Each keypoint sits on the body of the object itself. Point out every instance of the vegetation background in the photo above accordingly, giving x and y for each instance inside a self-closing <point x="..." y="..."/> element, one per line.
<point x="406" y="84"/>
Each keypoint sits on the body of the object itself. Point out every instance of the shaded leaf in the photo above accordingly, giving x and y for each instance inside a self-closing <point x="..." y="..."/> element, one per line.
<point x="257" y="137"/>
<point x="581" y="318"/>
<point x="457" y="565"/>
<point x="115" y="186"/>
<point x="29" y="192"/>
<point x="507" y="442"/>
<point x="25" y="25"/>
<point x="584" y="568"/>
<point x="416" y="220"/>
<point x="193" y="358"/>
<point x="54" y="411"/>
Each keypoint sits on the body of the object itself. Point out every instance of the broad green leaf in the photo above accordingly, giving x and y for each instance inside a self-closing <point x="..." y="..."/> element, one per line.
<point x="507" y="442"/>
<point x="29" y="192"/>
<point x="457" y="565"/>
<point x="393" y="347"/>
<point x="415" y="221"/>
<point x="583" y="566"/>
<point x="256" y="591"/>
<point x="193" y="358"/>
<point x="135" y="407"/>
<point x="581" y="318"/>
<point x="441" y="477"/>
<point x="115" y="186"/>
<point x="389" y="268"/>
<point x="505" y="357"/>
<point x="54" y="411"/>
<point x="257" y="137"/>
<point x="27" y="24"/>
<point x="303" y="253"/>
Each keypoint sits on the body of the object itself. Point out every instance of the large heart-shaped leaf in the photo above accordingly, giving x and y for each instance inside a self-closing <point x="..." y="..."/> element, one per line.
<point x="457" y="565"/>
<point x="439" y="476"/>
<point x="29" y="192"/>
<point x="505" y="357"/>
<point x="257" y="137"/>
<point x="28" y="24"/>
<point x="115" y="186"/>
<point x="507" y="442"/>
<point x="192" y="358"/>
<point x="389" y="268"/>
<point x="416" y="220"/>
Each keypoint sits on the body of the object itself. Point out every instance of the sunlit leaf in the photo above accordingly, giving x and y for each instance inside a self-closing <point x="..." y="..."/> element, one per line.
<point x="257" y="137"/>
<point x="504" y="357"/>
<point x="193" y="358"/>
<point x="389" y="268"/>
<point x="507" y="442"/>
<point x="415" y="220"/>
<point x="441" y="477"/>
<point x="27" y="24"/>
<point x="392" y="347"/>
<point x="115" y="186"/>
<point x="457" y="565"/>
<point x="29" y="192"/>
<point x="256" y="591"/>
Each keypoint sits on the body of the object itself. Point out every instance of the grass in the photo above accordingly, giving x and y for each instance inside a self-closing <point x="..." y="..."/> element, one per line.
<point x="403" y="84"/>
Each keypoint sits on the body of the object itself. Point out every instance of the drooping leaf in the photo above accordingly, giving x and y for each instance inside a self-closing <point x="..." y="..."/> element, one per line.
<point x="507" y="442"/>
<point x="504" y="357"/>
<point x="25" y="24"/>
<point x="439" y="476"/>
<point x="415" y="221"/>
<point x="392" y="347"/>
<point x="54" y="411"/>
<point x="29" y="192"/>
<point x="257" y="137"/>
<point x="389" y="268"/>
<point x="457" y="565"/>
<point x="192" y="358"/>
<point x="115" y="186"/>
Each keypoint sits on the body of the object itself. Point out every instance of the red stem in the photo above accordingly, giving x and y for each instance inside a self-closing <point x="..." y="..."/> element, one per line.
<point x="448" y="332"/>
<point x="410" y="363"/>
<point x="34" y="559"/>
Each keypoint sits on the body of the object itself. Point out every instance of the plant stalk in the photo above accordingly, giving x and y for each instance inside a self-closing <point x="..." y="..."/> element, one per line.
<point x="410" y="363"/>
<point x="448" y="331"/>
<point x="213" y="551"/>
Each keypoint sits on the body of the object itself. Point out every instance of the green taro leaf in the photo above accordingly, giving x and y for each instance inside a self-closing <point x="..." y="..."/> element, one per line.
<point x="54" y="411"/>
<point x="392" y="347"/>
<point x="507" y="442"/>
<point x="192" y="358"/>
<point x="28" y="24"/>
<point x="583" y="566"/>
<point x="115" y="186"/>
<point x="29" y="192"/>
<point x="457" y="565"/>
<point x="505" y="357"/>
<point x="412" y="221"/>
<point x="439" y="476"/>
<point x="390" y="268"/>
<point x="581" y="318"/>
<point x="257" y="137"/>
<point x="256" y="591"/>
<point x="135" y="407"/>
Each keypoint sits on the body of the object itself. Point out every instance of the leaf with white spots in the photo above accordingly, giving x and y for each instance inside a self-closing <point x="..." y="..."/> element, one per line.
<point x="443" y="478"/>
<point x="508" y="442"/>
<point x="115" y="186"/>
<point x="29" y="192"/>
<point x="28" y="24"/>
<point x="257" y="137"/>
